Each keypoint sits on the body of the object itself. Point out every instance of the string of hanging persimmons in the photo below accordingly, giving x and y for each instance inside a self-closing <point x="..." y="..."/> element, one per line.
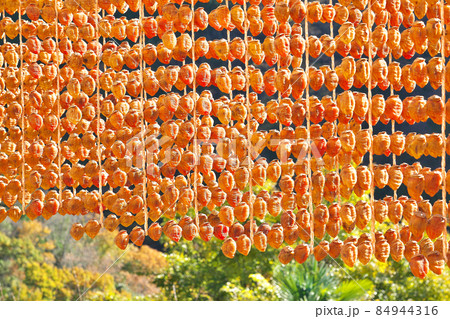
<point x="218" y="120"/>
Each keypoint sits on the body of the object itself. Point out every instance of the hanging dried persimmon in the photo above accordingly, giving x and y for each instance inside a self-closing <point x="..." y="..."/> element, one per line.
<point x="191" y="146"/>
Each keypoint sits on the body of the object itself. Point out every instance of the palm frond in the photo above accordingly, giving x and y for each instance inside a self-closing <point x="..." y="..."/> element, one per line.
<point x="352" y="290"/>
<point x="315" y="281"/>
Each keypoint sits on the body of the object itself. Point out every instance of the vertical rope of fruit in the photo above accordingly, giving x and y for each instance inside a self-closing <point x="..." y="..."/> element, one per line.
<point x="369" y="119"/>
<point x="308" y="126"/>
<point x="99" y="150"/>
<point x="100" y="185"/>
<point x="22" y="117"/>
<point x="194" y="97"/>
<point x="443" y="127"/>
<point x="82" y="218"/>
<point x="394" y="157"/>
<point x="280" y="126"/>
<point x="229" y="61"/>
<point x="188" y="180"/>
<point x="103" y="16"/>
<point x="229" y="41"/>
<point x="336" y="122"/>
<point x="332" y="56"/>
<point x="144" y="126"/>
<point x="183" y="62"/>
<point x="249" y="145"/>
<point x="58" y="110"/>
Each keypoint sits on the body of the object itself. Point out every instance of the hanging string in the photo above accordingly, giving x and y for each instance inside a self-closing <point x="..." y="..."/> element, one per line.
<point x="229" y="61"/>
<point x="369" y="96"/>
<point x="308" y="128"/>
<point x="249" y="114"/>
<point x="184" y="93"/>
<point x="443" y="126"/>
<point x="194" y="97"/>
<point x="22" y="103"/>
<point x="336" y="122"/>
<point x="98" y="135"/>
<point x="394" y="157"/>
<point x="280" y="126"/>
<point x="144" y="124"/>
<point x="99" y="150"/>
<point x="103" y="16"/>
<point x="332" y="56"/>
<point x="183" y="62"/>
<point x="58" y="108"/>
<point x="231" y="122"/>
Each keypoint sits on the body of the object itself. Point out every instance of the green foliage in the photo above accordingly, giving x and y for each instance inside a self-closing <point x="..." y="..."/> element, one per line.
<point x="41" y="263"/>
<point x="259" y="289"/>
<point x="25" y="274"/>
<point x="198" y="270"/>
<point x="316" y="282"/>
<point x="51" y="283"/>
<point x="394" y="281"/>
